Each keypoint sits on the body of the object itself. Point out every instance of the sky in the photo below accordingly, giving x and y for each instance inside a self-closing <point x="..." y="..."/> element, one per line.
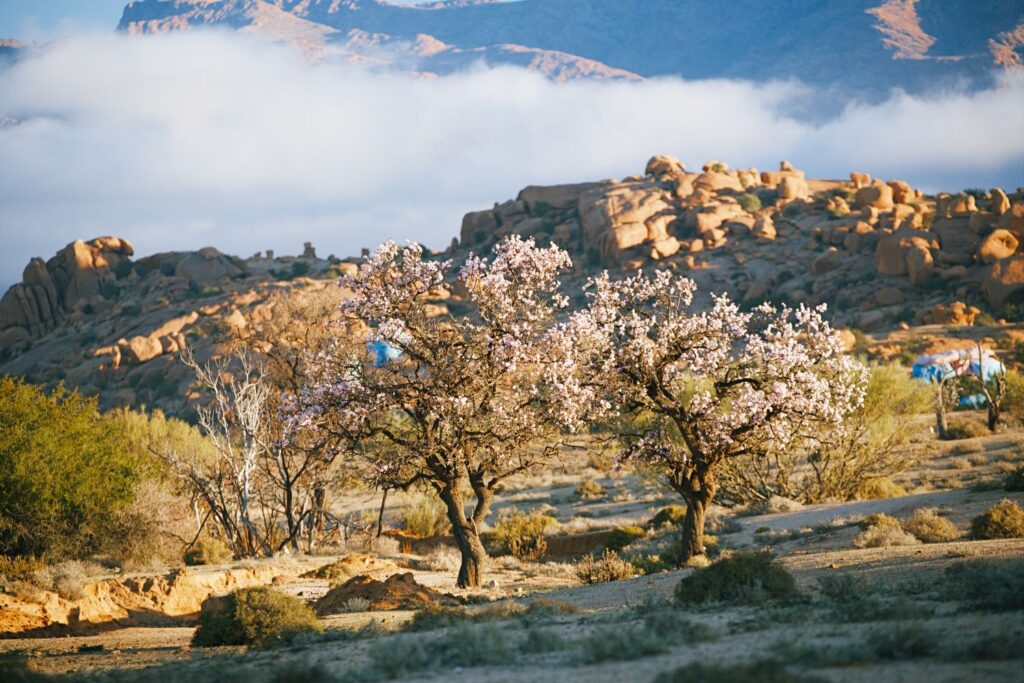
<point x="47" y="19"/>
<point x="187" y="140"/>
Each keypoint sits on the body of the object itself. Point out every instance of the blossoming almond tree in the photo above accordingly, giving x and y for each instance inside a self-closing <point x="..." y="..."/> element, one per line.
<point x="717" y="384"/>
<point x="459" y="403"/>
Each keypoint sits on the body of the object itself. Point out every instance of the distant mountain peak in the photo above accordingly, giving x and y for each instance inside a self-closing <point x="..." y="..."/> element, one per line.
<point x="857" y="47"/>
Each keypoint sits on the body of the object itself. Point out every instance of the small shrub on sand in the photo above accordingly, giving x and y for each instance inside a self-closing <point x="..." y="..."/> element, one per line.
<point x="671" y="515"/>
<point x="1015" y="480"/>
<point x="521" y="534"/>
<point x="878" y="488"/>
<point x="622" y="536"/>
<point x="258" y="616"/>
<point x="425" y="518"/>
<point x="879" y="519"/>
<point x="609" y="567"/>
<point x="746" y="578"/>
<point x="988" y="584"/>
<point x="589" y="490"/>
<point x="207" y="551"/>
<point x="926" y="525"/>
<point x="1005" y="519"/>
<point x="964" y="430"/>
<point x="444" y="559"/>
<point x="883" y="537"/>
<point x="68" y="579"/>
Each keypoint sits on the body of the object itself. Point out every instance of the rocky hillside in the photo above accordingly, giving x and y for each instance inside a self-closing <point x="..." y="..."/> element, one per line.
<point x="857" y="46"/>
<point x="879" y="253"/>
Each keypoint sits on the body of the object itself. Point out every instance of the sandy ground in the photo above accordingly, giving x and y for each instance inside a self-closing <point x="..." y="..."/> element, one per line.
<point x="811" y="541"/>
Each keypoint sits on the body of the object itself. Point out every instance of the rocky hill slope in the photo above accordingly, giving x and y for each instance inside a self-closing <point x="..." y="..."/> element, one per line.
<point x="879" y="253"/>
<point x="863" y="47"/>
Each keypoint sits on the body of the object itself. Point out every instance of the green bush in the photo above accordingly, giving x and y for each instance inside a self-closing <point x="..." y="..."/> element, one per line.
<point x="258" y="616"/>
<point x="464" y="645"/>
<point x="426" y="518"/>
<point x="670" y="515"/>
<point x="749" y="202"/>
<point x="589" y="490"/>
<point x="902" y="641"/>
<point x="622" y="536"/>
<point x="66" y="474"/>
<point x="746" y="578"/>
<point x="609" y="567"/>
<point x="926" y="525"/>
<point x="661" y="629"/>
<point x="1015" y="480"/>
<point x="522" y="535"/>
<point x="1005" y="519"/>
<point x="207" y="551"/>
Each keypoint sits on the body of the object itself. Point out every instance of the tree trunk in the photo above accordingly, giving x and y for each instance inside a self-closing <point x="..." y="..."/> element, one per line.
<point x="698" y="490"/>
<point x="467" y="537"/>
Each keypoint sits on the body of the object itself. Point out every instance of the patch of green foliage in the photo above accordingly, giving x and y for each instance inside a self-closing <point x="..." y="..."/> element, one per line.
<point x="744" y="578"/>
<point x="987" y="584"/>
<point x="669" y="515"/>
<point x="426" y="518"/>
<point x="622" y="536"/>
<point x="749" y="202"/>
<point x="660" y="630"/>
<point x="443" y="617"/>
<point x="260" y="617"/>
<point x="66" y="474"/>
<point x="521" y="534"/>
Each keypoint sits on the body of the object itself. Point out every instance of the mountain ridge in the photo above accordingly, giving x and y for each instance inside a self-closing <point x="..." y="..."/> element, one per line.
<point x="864" y="47"/>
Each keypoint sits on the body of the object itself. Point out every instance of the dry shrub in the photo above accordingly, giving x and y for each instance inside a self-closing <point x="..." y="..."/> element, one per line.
<point x="927" y="526"/>
<point x="883" y="537"/>
<point x="879" y="488"/>
<point x="879" y="519"/>
<point x="609" y="567"/>
<point x="19" y="568"/>
<point x="965" y="430"/>
<point x="960" y="464"/>
<point x="207" y="550"/>
<point x="589" y="490"/>
<point x="1005" y="519"/>
<point x="745" y="578"/>
<point x="68" y="578"/>
<point x="521" y="534"/>
<point x="258" y="616"/>
<point x="444" y="559"/>
<point x="426" y="517"/>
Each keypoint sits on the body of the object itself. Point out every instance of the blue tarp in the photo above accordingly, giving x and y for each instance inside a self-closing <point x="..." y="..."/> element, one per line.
<point x="383" y="353"/>
<point x="939" y="366"/>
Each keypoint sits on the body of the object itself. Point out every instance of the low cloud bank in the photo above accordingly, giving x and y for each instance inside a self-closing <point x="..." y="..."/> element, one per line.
<point x="185" y="140"/>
